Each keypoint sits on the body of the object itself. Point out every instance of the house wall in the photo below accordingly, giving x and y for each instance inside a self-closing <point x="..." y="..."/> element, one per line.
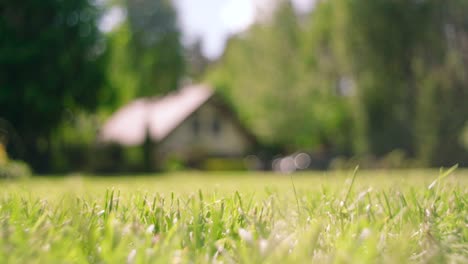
<point x="187" y="141"/>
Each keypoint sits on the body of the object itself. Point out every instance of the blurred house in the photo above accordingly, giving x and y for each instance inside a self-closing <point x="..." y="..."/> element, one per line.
<point x="190" y="125"/>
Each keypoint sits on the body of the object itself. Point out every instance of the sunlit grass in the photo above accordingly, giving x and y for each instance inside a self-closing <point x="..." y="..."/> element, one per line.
<point x="381" y="217"/>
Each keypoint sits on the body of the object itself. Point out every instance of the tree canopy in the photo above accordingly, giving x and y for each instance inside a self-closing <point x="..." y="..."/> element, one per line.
<point x="367" y="77"/>
<point x="51" y="63"/>
<point x="156" y="49"/>
<point x="272" y="84"/>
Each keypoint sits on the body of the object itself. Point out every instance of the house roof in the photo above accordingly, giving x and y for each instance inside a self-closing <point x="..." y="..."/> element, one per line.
<point x="159" y="116"/>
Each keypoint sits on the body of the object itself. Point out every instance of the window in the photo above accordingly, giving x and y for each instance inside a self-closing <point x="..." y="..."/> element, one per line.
<point x="216" y="126"/>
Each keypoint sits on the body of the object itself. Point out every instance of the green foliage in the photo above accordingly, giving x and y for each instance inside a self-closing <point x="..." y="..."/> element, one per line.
<point x="405" y="59"/>
<point x="368" y="76"/>
<point x="384" y="79"/>
<point x="368" y="217"/>
<point x="14" y="169"/>
<point x="145" y="53"/>
<point x="51" y="61"/>
<point x="224" y="164"/>
<point x="173" y="164"/>
<point x="396" y="159"/>
<point x="72" y="149"/>
<point x="156" y="50"/>
<point x="123" y="78"/>
<point x="264" y="74"/>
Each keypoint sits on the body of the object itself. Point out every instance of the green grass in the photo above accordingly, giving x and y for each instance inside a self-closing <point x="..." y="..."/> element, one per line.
<point x="375" y="217"/>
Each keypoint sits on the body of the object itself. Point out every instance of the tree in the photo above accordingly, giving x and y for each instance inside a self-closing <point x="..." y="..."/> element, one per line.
<point x="441" y="70"/>
<point x="264" y="73"/>
<point x="51" y="63"/>
<point x="157" y="53"/>
<point x="406" y="60"/>
<point x="123" y="77"/>
<point x="196" y="61"/>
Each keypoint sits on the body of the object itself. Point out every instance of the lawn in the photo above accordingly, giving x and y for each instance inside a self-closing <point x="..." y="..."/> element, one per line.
<point x="401" y="216"/>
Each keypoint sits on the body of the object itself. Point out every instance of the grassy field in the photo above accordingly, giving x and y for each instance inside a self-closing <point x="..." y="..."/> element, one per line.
<point x="335" y="217"/>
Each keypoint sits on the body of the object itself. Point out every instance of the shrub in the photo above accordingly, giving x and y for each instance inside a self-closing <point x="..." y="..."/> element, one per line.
<point x="173" y="164"/>
<point x="396" y="159"/>
<point x="223" y="164"/>
<point x="14" y="169"/>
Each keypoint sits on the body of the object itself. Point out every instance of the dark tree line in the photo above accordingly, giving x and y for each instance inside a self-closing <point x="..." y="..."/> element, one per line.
<point x="364" y="77"/>
<point x="51" y="63"/>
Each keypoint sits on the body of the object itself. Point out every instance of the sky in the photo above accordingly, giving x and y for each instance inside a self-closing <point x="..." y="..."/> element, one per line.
<point x="211" y="21"/>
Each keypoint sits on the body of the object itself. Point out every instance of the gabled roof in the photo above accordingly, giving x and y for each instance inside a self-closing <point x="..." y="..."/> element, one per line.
<point x="159" y="116"/>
